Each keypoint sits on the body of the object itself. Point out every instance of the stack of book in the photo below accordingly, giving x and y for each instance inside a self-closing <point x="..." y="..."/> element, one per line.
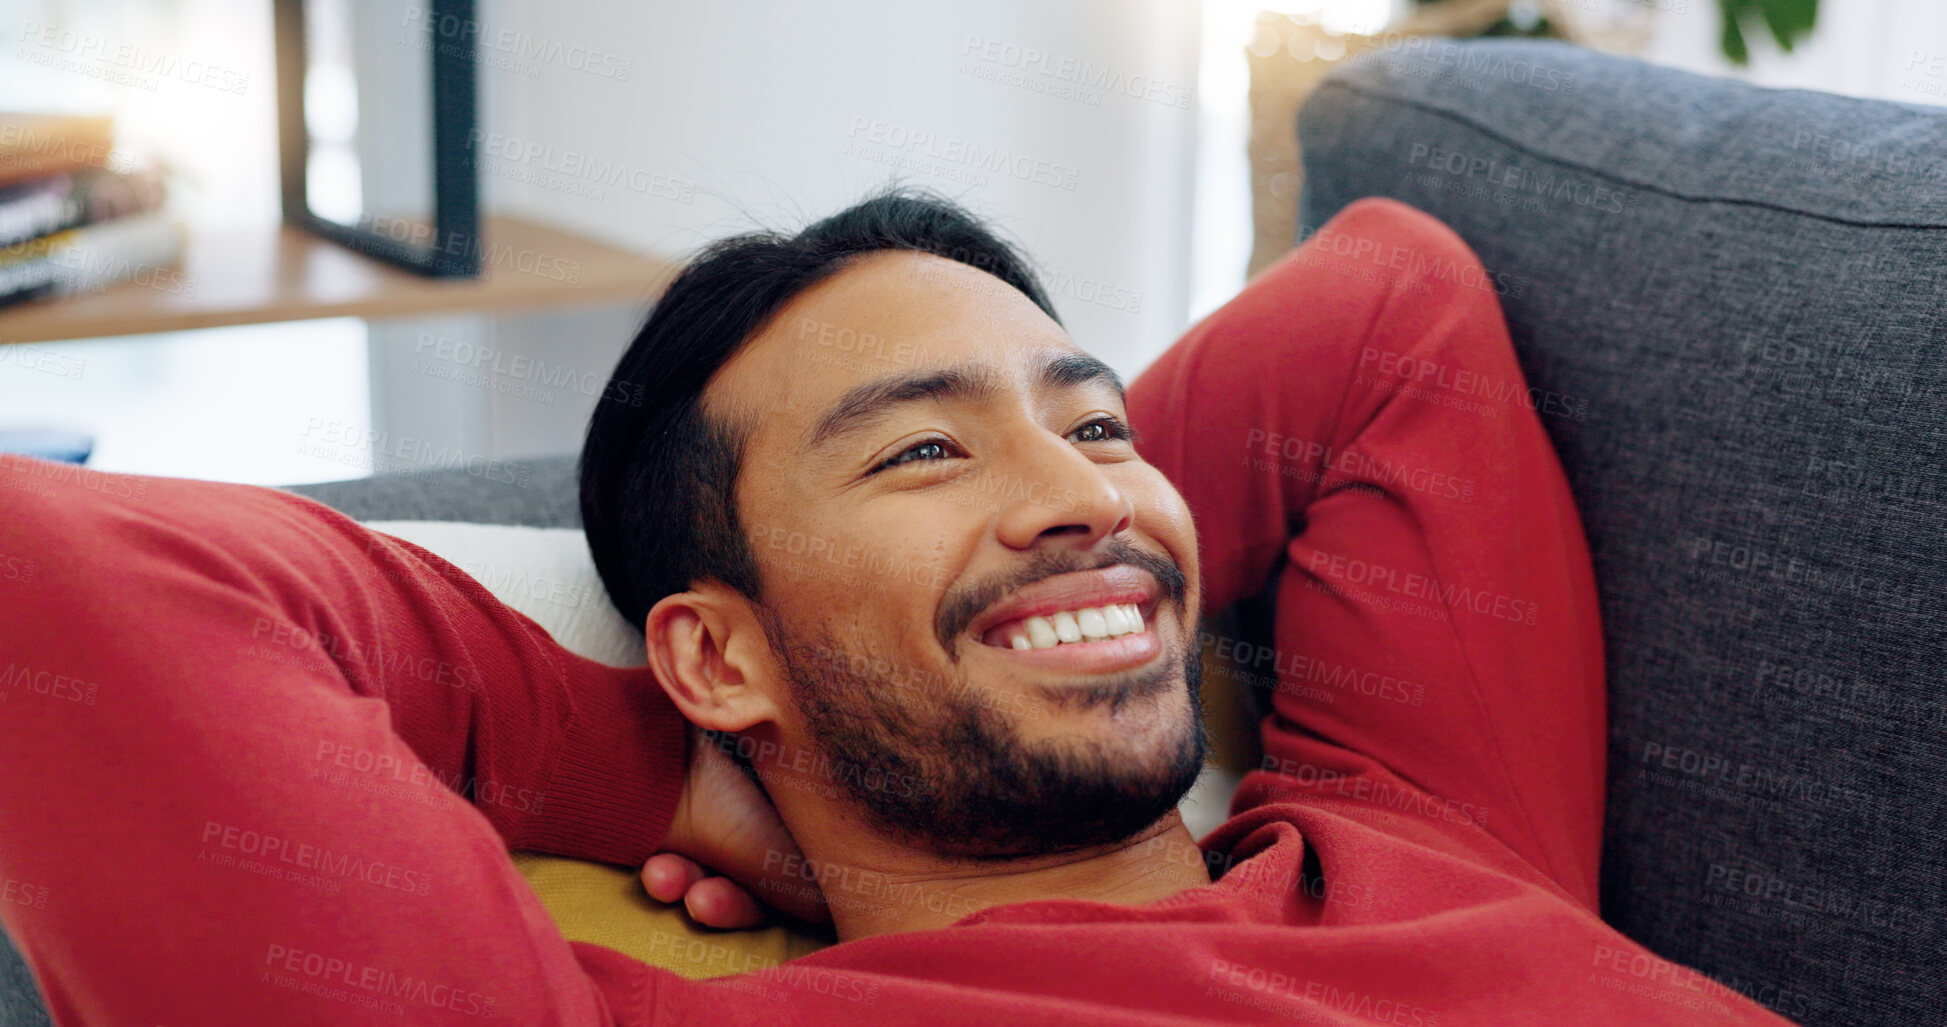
<point x="76" y="214"/>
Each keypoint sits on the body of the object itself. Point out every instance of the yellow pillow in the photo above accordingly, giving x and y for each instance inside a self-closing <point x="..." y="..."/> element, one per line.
<point x="605" y="905"/>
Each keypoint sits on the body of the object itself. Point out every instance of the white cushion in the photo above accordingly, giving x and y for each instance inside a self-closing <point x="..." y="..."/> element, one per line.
<point x="545" y="573"/>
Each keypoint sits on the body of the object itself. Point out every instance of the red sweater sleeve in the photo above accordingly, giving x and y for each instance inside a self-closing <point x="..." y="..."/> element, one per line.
<point x="562" y="754"/>
<point x="1355" y="432"/>
<point x="239" y="717"/>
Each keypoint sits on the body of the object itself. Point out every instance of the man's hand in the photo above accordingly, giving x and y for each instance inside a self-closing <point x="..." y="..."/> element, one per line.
<point x="724" y="822"/>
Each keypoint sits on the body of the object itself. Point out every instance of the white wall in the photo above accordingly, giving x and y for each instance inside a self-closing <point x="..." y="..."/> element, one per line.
<point x="760" y="107"/>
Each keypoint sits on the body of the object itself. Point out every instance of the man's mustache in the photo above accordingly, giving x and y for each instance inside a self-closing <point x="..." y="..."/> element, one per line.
<point x="960" y="609"/>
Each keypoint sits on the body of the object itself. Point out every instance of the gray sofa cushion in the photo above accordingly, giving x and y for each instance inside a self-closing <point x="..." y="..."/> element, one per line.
<point x="20" y="999"/>
<point x="1731" y="306"/>
<point x="539" y="493"/>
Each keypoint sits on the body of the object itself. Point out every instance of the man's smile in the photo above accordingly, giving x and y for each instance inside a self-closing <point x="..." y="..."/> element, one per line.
<point x="1098" y="656"/>
<point x="1097" y="620"/>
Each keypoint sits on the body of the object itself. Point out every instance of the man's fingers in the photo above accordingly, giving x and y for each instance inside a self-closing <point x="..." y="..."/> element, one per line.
<point x="726" y="822"/>
<point x="721" y="902"/>
<point x="711" y="901"/>
<point x="668" y="877"/>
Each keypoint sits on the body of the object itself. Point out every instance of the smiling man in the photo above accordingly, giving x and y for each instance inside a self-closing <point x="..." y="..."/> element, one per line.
<point x="964" y="510"/>
<point x="921" y="591"/>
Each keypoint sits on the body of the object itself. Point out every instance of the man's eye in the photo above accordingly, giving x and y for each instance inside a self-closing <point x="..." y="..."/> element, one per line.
<point x="1104" y="429"/>
<point x="931" y="449"/>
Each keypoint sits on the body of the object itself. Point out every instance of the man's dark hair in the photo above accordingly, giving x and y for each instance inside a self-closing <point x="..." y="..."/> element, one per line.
<point x="658" y="475"/>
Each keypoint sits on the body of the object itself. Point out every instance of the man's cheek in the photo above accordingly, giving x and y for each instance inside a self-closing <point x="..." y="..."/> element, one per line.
<point x="1174" y="526"/>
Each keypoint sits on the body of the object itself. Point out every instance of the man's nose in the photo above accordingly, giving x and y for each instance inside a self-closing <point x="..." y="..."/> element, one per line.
<point x="1059" y="493"/>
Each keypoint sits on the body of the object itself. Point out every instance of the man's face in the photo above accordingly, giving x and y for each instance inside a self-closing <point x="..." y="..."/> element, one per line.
<point x="936" y="480"/>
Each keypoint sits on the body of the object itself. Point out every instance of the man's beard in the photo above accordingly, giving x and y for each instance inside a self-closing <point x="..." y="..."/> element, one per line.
<point x="936" y="764"/>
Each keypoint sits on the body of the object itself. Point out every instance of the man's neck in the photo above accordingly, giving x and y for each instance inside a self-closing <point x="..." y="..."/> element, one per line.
<point x="877" y="886"/>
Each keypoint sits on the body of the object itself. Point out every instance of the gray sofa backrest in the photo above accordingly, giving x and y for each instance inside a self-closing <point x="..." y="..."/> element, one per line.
<point x="543" y="493"/>
<point x="1731" y="306"/>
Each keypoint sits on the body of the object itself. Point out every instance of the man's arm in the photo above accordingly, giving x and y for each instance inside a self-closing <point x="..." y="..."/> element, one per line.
<point x="239" y="717"/>
<point x="1355" y="424"/>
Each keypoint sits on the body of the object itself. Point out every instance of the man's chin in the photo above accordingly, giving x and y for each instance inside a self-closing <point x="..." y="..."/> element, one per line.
<point x="1067" y="792"/>
<point x="1130" y="727"/>
<point x="1151" y="686"/>
<point x="1073" y="801"/>
<point x="982" y="770"/>
<point x="1109" y="760"/>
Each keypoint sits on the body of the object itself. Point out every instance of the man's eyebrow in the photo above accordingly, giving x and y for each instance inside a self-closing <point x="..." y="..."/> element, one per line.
<point x="1070" y="369"/>
<point x="865" y="405"/>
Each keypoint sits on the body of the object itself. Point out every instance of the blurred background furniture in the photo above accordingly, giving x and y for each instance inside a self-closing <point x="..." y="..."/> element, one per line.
<point x="280" y="273"/>
<point x="1730" y="306"/>
<point x="1291" y="52"/>
<point x="447" y="371"/>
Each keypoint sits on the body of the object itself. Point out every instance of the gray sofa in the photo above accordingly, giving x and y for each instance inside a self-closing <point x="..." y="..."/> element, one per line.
<point x="1731" y="304"/>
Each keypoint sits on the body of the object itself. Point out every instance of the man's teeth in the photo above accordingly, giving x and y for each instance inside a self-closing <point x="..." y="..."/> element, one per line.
<point x="1088" y="624"/>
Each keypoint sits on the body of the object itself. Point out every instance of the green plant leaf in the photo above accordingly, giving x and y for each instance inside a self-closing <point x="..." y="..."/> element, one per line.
<point x="1789" y="20"/>
<point x="1733" y="39"/>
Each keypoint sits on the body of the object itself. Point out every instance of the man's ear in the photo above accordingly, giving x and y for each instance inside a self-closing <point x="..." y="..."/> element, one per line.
<point x="709" y="651"/>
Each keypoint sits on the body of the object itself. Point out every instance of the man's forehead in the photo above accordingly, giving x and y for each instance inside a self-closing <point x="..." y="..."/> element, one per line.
<point x="888" y="313"/>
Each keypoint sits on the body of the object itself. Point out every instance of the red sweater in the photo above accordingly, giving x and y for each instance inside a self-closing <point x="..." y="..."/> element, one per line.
<point x="233" y="724"/>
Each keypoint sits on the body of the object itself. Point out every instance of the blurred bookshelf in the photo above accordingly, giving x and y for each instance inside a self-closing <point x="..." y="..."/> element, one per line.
<point x="284" y="274"/>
